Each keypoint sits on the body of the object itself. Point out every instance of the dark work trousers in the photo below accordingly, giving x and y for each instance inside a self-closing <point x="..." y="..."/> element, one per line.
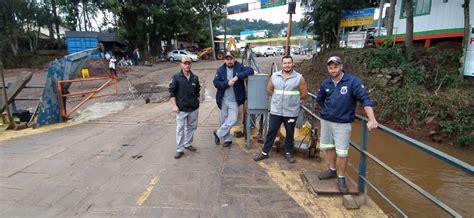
<point x="274" y="127"/>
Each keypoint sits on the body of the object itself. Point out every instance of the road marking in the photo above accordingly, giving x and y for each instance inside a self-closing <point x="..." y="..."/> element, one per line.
<point x="147" y="191"/>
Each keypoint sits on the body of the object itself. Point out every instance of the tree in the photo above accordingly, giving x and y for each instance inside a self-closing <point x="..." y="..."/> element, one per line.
<point x="145" y="23"/>
<point x="56" y="22"/>
<point x="409" y="27"/>
<point x="467" y="29"/>
<point x="322" y="17"/>
<point x="391" y="18"/>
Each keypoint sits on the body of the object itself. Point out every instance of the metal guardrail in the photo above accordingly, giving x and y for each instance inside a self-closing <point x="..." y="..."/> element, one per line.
<point x="364" y="154"/>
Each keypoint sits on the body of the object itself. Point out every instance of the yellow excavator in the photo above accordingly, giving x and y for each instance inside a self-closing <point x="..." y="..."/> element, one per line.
<point x="206" y="52"/>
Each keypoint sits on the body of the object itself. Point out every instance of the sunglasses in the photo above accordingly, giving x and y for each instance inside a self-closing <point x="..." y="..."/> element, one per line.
<point x="187" y="63"/>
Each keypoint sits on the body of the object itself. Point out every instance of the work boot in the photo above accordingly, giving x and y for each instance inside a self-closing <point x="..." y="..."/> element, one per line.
<point x="341" y="184"/>
<point x="216" y="138"/>
<point x="227" y="144"/>
<point x="328" y="174"/>
<point x="261" y="157"/>
<point x="178" y="154"/>
<point x="191" y="148"/>
<point x="290" y="158"/>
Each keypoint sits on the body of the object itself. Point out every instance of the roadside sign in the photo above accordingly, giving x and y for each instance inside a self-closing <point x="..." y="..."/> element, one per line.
<point x="240" y="8"/>
<point x="357" y="17"/>
<point x="271" y="3"/>
<point x="356" y="39"/>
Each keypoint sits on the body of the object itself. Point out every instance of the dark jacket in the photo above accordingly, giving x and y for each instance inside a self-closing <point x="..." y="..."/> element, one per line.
<point x="185" y="91"/>
<point x="338" y="102"/>
<point x="222" y="83"/>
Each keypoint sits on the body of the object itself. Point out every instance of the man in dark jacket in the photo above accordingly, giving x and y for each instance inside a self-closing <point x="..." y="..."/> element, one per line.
<point x="184" y="96"/>
<point x="229" y="82"/>
<point x="337" y="96"/>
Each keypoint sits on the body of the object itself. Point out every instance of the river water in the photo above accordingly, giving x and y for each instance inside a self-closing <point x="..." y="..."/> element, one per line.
<point x="450" y="185"/>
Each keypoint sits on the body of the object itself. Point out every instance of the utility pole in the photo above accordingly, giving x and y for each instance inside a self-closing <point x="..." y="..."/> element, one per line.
<point x="291" y="11"/>
<point x="212" y="39"/>
<point x="225" y="29"/>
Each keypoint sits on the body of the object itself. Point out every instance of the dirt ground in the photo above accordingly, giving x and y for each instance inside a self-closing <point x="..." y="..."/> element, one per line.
<point x="135" y="84"/>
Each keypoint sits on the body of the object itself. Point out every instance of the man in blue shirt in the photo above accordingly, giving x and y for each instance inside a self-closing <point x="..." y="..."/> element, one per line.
<point x="229" y="82"/>
<point x="337" y="96"/>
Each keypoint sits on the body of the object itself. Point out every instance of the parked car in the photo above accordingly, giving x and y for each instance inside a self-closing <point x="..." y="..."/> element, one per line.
<point x="280" y="51"/>
<point x="176" y="55"/>
<point x="264" y="51"/>
<point x="295" y="51"/>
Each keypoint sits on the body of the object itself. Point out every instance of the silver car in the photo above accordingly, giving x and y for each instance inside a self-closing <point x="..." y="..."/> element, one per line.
<point x="176" y="55"/>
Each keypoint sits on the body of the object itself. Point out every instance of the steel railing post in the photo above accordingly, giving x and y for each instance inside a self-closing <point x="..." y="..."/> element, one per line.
<point x="363" y="158"/>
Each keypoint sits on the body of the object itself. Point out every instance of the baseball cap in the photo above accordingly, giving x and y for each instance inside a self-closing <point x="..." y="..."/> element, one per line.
<point x="186" y="59"/>
<point x="229" y="54"/>
<point x="335" y="59"/>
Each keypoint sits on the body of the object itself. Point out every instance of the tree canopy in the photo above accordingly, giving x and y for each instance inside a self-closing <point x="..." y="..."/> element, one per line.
<point x="322" y="17"/>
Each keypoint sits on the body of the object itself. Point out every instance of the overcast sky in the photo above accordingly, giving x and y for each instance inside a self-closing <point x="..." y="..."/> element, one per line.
<point x="272" y="15"/>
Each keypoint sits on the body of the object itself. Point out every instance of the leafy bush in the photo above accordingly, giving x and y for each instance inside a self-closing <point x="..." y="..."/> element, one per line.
<point x="413" y="74"/>
<point x="460" y="125"/>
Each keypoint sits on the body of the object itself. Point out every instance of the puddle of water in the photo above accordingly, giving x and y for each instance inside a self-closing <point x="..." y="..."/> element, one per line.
<point x="100" y="109"/>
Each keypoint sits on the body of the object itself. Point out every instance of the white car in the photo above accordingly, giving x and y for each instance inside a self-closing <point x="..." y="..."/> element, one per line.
<point x="280" y="51"/>
<point x="176" y="55"/>
<point x="264" y="51"/>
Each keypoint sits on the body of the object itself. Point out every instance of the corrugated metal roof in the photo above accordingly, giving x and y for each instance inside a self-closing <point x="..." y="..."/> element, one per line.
<point x="102" y="36"/>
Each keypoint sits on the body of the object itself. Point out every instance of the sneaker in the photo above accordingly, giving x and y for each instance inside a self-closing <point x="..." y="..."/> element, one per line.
<point x="191" y="148"/>
<point x="178" y="155"/>
<point x="290" y="158"/>
<point x="328" y="174"/>
<point x="261" y="157"/>
<point x="341" y="184"/>
<point x="216" y="138"/>
<point x="227" y="144"/>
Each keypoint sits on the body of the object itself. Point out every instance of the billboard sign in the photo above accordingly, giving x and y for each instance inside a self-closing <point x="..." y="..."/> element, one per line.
<point x="271" y="3"/>
<point x="240" y="8"/>
<point x="357" y="17"/>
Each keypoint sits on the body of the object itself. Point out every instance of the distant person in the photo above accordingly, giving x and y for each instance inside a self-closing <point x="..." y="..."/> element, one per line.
<point x="337" y="96"/>
<point x="184" y="91"/>
<point x="107" y="56"/>
<point x="112" y="62"/>
<point x="287" y="89"/>
<point x="135" y="56"/>
<point x="229" y="82"/>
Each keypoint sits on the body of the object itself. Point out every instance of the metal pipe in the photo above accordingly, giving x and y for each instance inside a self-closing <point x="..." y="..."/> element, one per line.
<point x="27" y="99"/>
<point x="87" y="98"/>
<point x="363" y="158"/>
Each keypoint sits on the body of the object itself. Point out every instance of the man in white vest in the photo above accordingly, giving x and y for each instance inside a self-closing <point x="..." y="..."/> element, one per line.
<point x="287" y="88"/>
